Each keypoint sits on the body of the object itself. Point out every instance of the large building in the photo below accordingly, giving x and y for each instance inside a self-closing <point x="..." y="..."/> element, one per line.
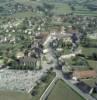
<point x="84" y="74"/>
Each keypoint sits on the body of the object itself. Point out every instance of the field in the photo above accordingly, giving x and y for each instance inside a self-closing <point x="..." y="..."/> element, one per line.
<point x="93" y="64"/>
<point x="62" y="91"/>
<point x="82" y="10"/>
<point x="78" y="64"/>
<point x="67" y="51"/>
<point x="90" y="82"/>
<point x="61" y="8"/>
<point x="23" y="14"/>
<point x="10" y="95"/>
<point x="89" y="51"/>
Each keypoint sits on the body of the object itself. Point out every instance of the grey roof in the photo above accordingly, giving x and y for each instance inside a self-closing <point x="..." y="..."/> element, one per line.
<point x="27" y="59"/>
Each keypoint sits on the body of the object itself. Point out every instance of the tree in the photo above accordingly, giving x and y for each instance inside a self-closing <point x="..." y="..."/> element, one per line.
<point x="44" y="78"/>
<point x="48" y="6"/>
<point x="94" y="55"/>
<point x="85" y="42"/>
<point x="1" y="9"/>
<point x="72" y="8"/>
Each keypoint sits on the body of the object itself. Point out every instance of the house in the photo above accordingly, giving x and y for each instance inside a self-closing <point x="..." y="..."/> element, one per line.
<point x="42" y="36"/>
<point x="28" y="61"/>
<point x="84" y="74"/>
<point x="19" y="55"/>
<point x="1" y="63"/>
<point x="45" y="51"/>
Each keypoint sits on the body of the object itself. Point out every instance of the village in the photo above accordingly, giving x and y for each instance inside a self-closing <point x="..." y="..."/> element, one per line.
<point x="43" y="50"/>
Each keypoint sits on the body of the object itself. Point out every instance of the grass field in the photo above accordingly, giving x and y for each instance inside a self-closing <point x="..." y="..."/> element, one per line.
<point x="93" y="64"/>
<point x="81" y="10"/>
<point x="62" y="91"/>
<point x="85" y="13"/>
<point x="1" y="61"/>
<point x="10" y="95"/>
<point x="75" y="65"/>
<point x="88" y="51"/>
<point x="90" y="82"/>
<point x="62" y="8"/>
<point x="67" y="51"/>
<point x="23" y="14"/>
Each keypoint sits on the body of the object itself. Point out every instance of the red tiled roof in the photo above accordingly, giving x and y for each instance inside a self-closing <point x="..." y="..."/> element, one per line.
<point x="85" y="74"/>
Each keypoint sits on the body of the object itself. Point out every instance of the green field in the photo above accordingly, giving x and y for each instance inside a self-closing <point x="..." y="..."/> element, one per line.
<point x="67" y="51"/>
<point x="88" y="51"/>
<point x="78" y="64"/>
<point x="61" y="8"/>
<point x="10" y="95"/>
<point x="93" y="64"/>
<point x="90" y="82"/>
<point x="62" y="91"/>
<point x="23" y="14"/>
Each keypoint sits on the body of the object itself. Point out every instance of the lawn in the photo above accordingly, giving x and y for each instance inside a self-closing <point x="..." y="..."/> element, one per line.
<point x="93" y="64"/>
<point x="88" y="51"/>
<point x="29" y="2"/>
<point x="42" y="86"/>
<point x="78" y="65"/>
<point x="85" y="12"/>
<point x="90" y="82"/>
<point x="10" y="95"/>
<point x="1" y="61"/>
<point x="62" y="91"/>
<point x="23" y="14"/>
<point x="94" y="95"/>
<point x="67" y="51"/>
<point x="61" y="8"/>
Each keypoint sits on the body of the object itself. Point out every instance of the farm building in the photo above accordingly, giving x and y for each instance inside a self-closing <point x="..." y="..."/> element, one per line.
<point x="84" y="74"/>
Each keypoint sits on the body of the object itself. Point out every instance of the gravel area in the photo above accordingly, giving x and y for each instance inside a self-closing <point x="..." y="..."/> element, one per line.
<point x="18" y="80"/>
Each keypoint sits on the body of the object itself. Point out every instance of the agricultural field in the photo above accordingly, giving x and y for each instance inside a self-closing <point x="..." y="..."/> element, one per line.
<point x="12" y="95"/>
<point x="89" y="51"/>
<point x="92" y="64"/>
<point x="61" y="8"/>
<point x="90" y="82"/>
<point x="23" y="14"/>
<point x="62" y="91"/>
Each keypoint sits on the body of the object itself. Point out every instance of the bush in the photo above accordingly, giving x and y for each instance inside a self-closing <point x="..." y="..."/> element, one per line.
<point x="94" y="55"/>
<point x="44" y="78"/>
